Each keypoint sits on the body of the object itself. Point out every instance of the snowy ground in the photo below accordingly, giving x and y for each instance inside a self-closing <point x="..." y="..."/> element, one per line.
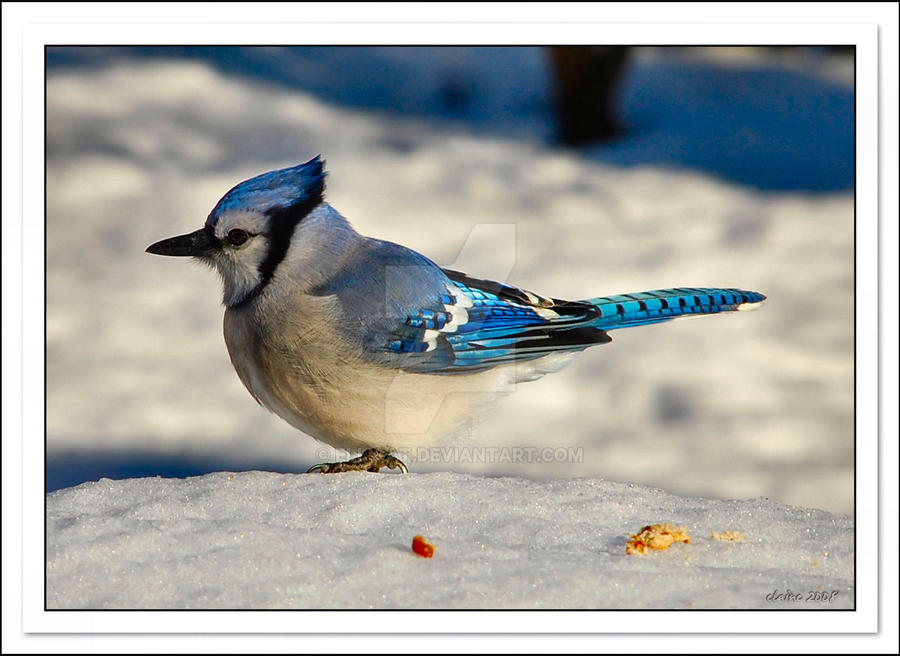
<point x="757" y="404"/>
<point x="264" y="540"/>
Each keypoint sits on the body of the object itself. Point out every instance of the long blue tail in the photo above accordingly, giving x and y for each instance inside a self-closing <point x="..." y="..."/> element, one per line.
<point x="626" y="310"/>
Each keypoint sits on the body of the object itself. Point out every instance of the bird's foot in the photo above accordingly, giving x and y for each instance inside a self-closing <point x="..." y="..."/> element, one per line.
<point x="371" y="460"/>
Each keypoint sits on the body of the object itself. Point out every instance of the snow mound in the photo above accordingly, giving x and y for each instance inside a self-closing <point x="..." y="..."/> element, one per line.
<point x="265" y="540"/>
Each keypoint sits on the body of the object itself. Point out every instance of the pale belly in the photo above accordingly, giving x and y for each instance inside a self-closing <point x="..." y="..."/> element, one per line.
<point x="350" y="404"/>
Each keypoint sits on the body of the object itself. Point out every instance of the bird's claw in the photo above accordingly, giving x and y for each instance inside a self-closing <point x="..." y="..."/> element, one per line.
<point x="395" y="463"/>
<point x="371" y="460"/>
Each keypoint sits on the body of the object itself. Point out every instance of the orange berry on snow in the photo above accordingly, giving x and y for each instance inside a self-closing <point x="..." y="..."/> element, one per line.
<point x="421" y="547"/>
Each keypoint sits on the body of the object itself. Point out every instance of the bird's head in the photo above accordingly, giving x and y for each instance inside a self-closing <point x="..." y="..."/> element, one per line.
<point x="249" y="231"/>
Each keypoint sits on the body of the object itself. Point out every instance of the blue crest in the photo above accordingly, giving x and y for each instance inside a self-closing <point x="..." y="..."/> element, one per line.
<point x="276" y="191"/>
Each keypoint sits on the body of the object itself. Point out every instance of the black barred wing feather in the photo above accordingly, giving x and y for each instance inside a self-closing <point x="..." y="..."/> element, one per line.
<point x="481" y="324"/>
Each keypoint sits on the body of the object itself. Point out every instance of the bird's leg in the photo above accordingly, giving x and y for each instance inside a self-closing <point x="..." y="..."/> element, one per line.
<point x="371" y="460"/>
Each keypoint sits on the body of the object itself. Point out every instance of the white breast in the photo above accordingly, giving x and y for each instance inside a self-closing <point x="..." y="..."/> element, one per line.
<point x="322" y="388"/>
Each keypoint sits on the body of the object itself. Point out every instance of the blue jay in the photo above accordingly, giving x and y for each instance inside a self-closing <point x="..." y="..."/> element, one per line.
<point x="371" y="347"/>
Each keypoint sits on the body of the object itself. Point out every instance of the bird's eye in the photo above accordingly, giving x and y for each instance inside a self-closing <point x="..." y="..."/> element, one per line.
<point x="237" y="236"/>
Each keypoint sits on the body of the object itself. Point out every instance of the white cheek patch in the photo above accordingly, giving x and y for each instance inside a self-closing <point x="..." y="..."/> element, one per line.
<point x="250" y="254"/>
<point x="239" y="267"/>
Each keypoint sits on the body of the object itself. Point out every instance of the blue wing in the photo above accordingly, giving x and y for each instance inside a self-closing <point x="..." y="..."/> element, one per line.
<point x="478" y="324"/>
<point x="481" y="323"/>
<point x="403" y="311"/>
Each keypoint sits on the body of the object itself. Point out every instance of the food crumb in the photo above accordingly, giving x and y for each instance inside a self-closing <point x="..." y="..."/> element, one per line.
<point x="656" y="536"/>
<point x="728" y="536"/>
<point x="421" y="547"/>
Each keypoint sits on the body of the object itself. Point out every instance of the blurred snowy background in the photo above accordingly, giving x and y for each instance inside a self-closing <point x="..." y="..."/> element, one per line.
<point x="733" y="167"/>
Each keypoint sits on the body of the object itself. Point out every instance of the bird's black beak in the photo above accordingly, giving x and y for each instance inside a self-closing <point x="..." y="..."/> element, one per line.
<point x="194" y="244"/>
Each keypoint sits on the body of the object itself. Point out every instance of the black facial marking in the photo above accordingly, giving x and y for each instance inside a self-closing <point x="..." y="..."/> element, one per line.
<point x="210" y="230"/>
<point x="282" y="222"/>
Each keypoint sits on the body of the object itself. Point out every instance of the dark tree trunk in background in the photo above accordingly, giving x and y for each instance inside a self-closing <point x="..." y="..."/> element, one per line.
<point x="586" y="79"/>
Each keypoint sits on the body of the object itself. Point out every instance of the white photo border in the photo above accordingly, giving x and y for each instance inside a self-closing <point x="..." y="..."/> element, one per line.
<point x="863" y="619"/>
